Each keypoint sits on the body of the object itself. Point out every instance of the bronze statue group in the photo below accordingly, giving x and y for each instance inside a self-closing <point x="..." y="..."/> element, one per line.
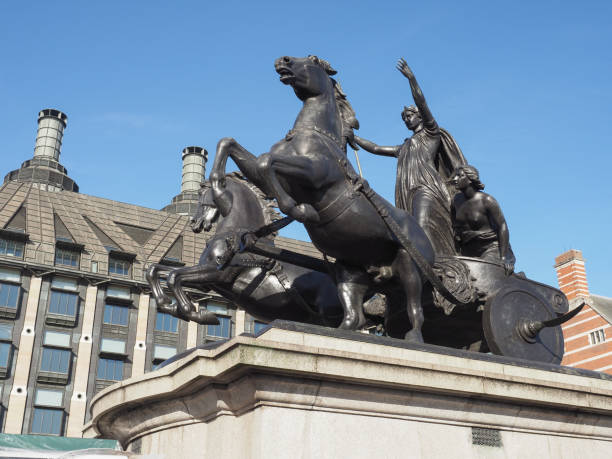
<point x="440" y="256"/>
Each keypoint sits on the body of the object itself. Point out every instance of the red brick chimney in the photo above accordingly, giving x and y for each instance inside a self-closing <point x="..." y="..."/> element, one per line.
<point x="572" y="275"/>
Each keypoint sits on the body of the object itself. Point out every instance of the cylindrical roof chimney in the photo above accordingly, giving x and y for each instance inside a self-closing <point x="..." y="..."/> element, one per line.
<point x="51" y="125"/>
<point x="194" y="168"/>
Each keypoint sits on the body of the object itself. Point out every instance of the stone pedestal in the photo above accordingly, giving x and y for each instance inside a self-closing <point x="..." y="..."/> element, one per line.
<point x="305" y="391"/>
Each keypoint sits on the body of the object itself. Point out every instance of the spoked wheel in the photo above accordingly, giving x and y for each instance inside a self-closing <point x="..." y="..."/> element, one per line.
<point x="509" y="323"/>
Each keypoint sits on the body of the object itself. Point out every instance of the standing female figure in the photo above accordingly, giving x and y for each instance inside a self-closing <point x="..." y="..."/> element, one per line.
<point x="425" y="161"/>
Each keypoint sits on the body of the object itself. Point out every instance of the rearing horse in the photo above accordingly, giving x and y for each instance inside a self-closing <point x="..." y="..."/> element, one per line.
<point x="309" y="175"/>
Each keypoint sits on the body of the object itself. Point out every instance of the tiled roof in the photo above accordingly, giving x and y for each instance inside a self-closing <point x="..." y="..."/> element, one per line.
<point x="603" y="306"/>
<point x="303" y="247"/>
<point x="106" y="218"/>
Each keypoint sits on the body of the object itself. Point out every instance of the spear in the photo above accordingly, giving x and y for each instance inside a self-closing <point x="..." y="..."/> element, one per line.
<point x="358" y="163"/>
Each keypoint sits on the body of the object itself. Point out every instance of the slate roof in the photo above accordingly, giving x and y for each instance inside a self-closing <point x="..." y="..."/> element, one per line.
<point x="603" y="306"/>
<point x="98" y="223"/>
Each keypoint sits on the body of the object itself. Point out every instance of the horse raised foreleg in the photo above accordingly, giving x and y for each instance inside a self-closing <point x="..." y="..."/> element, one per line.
<point x="352" y="288"/>
<point x="201" y="274"/>
<point x="246" y="162"/>
<point x="295" y="168"/>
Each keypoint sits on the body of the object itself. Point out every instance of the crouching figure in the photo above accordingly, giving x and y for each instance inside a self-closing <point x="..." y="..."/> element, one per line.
<point x="479" y="224"/>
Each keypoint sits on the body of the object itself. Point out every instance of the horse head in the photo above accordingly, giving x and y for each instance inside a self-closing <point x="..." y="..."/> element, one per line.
<point x="240" y="204"/>
<point x="311" y="77"/>
<point x="207" y="212"/>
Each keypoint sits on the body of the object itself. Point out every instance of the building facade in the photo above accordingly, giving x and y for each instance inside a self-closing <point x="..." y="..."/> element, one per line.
<point x="587" y="336"/>
<point x="76" y="314"/>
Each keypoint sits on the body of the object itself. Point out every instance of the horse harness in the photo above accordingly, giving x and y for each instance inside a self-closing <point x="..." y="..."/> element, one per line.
<point x="269" y="266"/>
<point x="344" y="200"/>
<point x="232" y="257"/>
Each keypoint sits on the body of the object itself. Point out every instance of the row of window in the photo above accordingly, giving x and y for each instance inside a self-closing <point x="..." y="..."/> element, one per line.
<point x="48" y="414"/>
<point x="66" y="257"/>
<point x="64" y="299"/>
<point x="57" y="353"/>
<point x="65" y="303"/>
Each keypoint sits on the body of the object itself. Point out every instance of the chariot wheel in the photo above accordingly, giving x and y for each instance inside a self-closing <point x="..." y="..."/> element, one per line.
<point x="505" y="317"/>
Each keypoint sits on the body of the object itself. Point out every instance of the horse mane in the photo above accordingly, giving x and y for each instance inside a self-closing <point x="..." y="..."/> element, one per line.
<point x="267" y="204"/>
<point x="347" y="114"/>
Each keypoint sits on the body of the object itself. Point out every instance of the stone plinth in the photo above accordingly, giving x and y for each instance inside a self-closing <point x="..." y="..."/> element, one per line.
<point x="304" y="391"/>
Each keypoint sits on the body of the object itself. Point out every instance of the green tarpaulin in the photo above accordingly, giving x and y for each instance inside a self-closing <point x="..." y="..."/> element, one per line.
<point x="48" y="443"/>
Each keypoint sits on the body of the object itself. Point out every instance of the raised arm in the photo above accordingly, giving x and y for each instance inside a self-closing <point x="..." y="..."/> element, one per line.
<point x="377" y="149"/>
<point x="497" y="218"/>
<point x="417" y="94"/>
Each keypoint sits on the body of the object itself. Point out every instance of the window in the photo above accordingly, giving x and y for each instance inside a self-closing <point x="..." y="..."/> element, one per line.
<point x="118" y="266"/>
<point x="10" y="275"/>
<point x="64" y="283"/>
<point x="47" y="421"/>
<point x="55" y="360"/>
<point x="6" y="337"/>
<point x="9" y="295"/>
<point x="66" y="257"/>
<point x="223" y="330"/>
<point x="112" y="346"/>
<point x="55" y="338"/>
<point x="5" y="356"/>
<point x="49" y="397"/>
<point x="116" y="315"/>
<point x="166" y="322"/>
<point x="123" y="293"/>
<point x="258" y="326"/>
<point x="597" y="336"/>
<point x="10" y="280"/>
<point x="63" y="303"/>
<point x="110" y="369"/>
<point x="162" y="353"/>
<point x="94" y="266"/>
<point x="11" y="248"/>
<point x="6" y="331"/>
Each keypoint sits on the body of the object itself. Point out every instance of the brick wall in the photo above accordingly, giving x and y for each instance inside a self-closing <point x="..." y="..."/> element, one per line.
<point x="588" y="336"/>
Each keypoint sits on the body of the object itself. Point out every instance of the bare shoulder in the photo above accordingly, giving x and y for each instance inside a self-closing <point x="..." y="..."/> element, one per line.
<point x="487" y="199"/>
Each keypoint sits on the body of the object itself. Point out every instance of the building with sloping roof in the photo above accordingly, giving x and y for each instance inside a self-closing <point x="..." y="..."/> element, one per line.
<point x="75" y="310"/>
<point x="587" y="336"/>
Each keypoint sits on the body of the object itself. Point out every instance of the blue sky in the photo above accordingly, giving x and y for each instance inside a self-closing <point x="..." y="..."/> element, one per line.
<point x="523" y="86"/>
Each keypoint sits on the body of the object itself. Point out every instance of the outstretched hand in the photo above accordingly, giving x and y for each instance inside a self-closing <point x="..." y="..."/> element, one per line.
<point x="402" y="66"/>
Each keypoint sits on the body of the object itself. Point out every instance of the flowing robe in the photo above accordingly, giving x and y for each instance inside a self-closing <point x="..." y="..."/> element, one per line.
<point x="425" y="162"/>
